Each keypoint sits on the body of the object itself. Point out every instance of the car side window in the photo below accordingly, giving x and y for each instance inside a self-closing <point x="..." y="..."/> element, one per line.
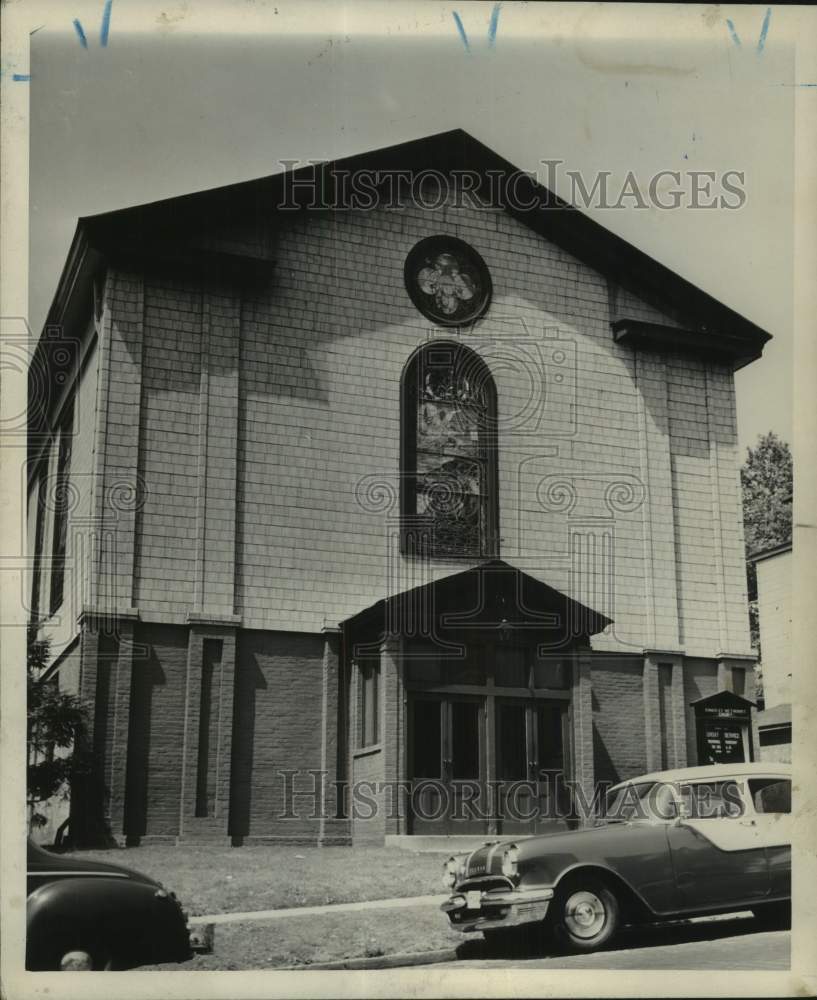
<point x="770" y="795"/>
<point x="713" y="800"/>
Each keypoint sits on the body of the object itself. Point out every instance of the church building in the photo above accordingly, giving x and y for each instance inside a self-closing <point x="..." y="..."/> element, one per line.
<point x="389" y="497"/>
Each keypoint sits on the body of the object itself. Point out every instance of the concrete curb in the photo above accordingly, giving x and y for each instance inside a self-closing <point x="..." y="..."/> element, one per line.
<point x="387" y="961"/>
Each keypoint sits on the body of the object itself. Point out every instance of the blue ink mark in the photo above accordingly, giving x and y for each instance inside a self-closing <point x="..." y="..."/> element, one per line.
<point x="83" y="41"/>
<point x="493" y="25"/>
<point x="732" y="32"/>
<point x="106" y="23"/>
<point x="461" y="30"/>
<point x="21" y="77"/>
<point x="761" y="42"/>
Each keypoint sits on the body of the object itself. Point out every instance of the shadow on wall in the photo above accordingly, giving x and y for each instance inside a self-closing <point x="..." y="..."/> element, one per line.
<point x="249" y="679"/>
<point x="146" y="676"/>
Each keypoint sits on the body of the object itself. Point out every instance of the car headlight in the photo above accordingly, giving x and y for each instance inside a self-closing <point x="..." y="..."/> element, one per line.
<point x="510" y="861"/>
<point x="450" y="871"/>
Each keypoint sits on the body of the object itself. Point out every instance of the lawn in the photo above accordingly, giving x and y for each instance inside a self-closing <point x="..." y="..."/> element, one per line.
<point x="210" y="879"/>
<point x="298" y="942"/>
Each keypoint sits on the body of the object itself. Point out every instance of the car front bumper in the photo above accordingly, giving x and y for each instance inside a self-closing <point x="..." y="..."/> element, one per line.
<point x="496" y="909"/>
<point x="201" y="938"/>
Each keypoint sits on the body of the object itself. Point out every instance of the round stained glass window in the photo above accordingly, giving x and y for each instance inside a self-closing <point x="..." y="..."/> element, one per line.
<point x="448" y="281"/>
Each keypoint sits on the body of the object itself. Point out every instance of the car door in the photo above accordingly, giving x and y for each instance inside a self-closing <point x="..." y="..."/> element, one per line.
<point x="771" y="799"/>
<point x="717" y="853"/>
<point x="639" y="815"/>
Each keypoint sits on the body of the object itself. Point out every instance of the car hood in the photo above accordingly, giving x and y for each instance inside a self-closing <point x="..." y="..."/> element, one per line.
<point x="44" y="863"/>
<point x="587" y="842"/>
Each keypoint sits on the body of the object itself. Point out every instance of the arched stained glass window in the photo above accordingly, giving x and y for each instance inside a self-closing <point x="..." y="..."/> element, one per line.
<point x="449" y="481"/>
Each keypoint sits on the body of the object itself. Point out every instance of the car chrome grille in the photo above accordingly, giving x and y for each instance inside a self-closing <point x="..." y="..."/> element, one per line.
<point x="485" y="884"/>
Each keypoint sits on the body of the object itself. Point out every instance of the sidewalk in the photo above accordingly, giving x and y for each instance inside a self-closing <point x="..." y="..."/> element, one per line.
<point x="307" y="911"/>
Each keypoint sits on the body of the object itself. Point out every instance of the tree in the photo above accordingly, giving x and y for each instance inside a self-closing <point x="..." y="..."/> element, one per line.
<point x="766" y="480"/>
<point x="56" y="721"/>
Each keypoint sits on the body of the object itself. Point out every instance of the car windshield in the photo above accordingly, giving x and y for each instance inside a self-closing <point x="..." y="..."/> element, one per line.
<point x="650" y="800"/>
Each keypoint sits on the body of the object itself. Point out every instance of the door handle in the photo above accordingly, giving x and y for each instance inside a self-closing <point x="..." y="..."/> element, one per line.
<point x="748" y="822"/>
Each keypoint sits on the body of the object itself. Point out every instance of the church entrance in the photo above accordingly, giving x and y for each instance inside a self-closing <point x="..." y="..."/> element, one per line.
<point x="451" y="747"/>
<point x="477" y="674"/>
<point x="532" y="742"/>
<point x="447" y="772"/>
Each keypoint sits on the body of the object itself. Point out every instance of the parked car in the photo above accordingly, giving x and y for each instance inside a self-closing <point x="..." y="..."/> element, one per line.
<point x="83" y="914"/>
<point x="672" y="844"/>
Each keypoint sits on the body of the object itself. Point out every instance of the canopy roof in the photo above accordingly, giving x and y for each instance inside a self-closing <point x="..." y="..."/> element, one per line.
<point x="490" y="597"/>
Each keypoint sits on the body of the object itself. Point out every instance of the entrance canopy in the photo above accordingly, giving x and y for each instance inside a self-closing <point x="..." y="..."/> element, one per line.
<point x="493" y="597"/>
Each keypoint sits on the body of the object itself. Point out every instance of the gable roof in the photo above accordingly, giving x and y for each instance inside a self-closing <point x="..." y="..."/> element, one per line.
<point x="146" y="232"/>
<point x="486" y="597"/>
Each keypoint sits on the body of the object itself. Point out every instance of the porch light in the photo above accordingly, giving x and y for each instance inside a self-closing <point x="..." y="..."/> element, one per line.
<point x="505" y="630"/>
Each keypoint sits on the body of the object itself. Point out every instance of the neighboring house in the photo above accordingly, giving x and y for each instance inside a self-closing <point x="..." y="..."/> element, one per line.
<point x="774" y="603"/>
<point x="343" y="501"/>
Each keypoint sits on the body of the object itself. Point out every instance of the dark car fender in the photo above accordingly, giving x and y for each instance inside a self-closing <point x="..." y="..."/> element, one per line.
<point x="635" y="859"/>
<point x="130" y="922"/>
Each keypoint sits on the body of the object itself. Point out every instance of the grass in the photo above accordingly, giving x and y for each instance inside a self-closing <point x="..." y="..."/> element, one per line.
<point x="297" y="942"/>
<point x="211" y="879"/>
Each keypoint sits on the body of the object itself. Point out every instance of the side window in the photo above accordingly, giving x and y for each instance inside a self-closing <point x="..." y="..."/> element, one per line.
<point x="713" y="800"/>
<point x="770" y="795"/>
<point x="368" y="703"/>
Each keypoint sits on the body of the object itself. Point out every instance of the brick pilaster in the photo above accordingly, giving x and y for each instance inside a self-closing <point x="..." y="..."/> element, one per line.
<point x="678" y="744"/>
<point x="87" y="793"/>
<point x="330" y="829"/>
<point x="121" y="673"/>
<point x="664" y="710"/>
<point x="392" y="734"/>
<point x="205" y="785"/>
<point x="652" y="721"/>
<point x="582" y="708"/>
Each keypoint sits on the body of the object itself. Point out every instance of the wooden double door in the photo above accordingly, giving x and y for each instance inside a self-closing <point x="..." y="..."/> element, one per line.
<point x="450" y="742"/>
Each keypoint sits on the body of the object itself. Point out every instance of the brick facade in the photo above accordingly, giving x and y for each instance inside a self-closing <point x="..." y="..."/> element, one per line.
<point x="241" y="446"/>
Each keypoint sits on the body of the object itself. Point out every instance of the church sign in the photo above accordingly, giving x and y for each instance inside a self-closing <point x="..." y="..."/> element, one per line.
<point x="723" y="728"/>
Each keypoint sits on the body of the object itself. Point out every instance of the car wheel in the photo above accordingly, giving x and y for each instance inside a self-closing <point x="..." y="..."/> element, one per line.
<point x="773" y="915"/>
<point x="585" y="914"/>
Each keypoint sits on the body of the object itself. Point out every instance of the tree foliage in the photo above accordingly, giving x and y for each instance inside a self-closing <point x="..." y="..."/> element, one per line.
<point x="56" y="721"/>
<point x="766" y="479"/>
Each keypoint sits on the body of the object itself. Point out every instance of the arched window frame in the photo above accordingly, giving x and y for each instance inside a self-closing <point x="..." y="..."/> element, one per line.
<point x="414" y="541"/>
